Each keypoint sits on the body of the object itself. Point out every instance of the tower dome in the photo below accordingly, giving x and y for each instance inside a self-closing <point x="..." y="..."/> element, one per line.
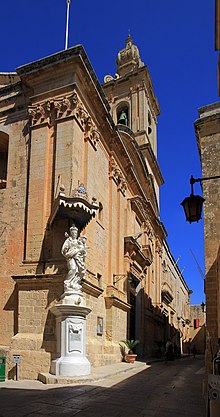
<point x="128" y="59"/>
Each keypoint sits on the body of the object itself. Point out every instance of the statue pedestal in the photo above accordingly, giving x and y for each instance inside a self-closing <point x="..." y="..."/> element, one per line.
<point x="71" y="315"/>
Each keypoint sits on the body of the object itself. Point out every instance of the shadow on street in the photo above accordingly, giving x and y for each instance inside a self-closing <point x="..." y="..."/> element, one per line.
<point x="162" y="390"/>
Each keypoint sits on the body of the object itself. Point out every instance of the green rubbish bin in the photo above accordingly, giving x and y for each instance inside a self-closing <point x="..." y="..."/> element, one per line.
<point x="2" y="368"/>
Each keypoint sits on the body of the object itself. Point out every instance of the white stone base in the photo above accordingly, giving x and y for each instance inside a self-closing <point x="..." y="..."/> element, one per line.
<point x="71" y="366"/>
<point x="71" y="315"/>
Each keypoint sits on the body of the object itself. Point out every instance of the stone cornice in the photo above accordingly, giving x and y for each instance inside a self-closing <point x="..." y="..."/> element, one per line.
<point x="116" y="298"/>
<point x="211" y="117"/>
<point x="137" y="169"/>
<point x="208" y="123"/>
<point x="64" y="56"/>
<point x="37" y="278"/>
<point x="51" y="111"/>
<point x="116" y="302"/>
<point x="9" y="95"/>
<point x="126" y="129"/>
<point x="90" y="288"/>
<point x="161" y="230"/>
<point x="8" y="90"/>
<point x="147" y="151"/>
<point x="134" y="145"/>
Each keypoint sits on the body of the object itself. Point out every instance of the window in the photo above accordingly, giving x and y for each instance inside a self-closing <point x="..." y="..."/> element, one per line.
<point x="149" y="123"/>
<point x="123" y="116"/>
<point x="4" y="139"/>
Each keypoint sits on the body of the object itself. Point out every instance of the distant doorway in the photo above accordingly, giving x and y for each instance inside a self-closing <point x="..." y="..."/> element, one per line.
<point x="132" y="316"/>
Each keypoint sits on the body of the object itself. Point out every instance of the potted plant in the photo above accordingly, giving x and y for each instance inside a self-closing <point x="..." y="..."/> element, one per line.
<point x="130" y="357"/>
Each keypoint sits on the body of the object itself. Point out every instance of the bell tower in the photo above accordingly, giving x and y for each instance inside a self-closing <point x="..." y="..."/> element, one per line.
<point x="131" y="96"/>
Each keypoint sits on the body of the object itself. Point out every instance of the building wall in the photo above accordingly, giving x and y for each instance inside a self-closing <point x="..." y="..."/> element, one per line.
<point x="61" y="135"/>
<point x="208" y="137"/>
<point x="176" y="301"/>
<point x="197" y="328"/>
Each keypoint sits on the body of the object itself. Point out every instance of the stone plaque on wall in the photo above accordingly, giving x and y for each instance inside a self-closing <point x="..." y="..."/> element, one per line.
<point x="75" y="337"/>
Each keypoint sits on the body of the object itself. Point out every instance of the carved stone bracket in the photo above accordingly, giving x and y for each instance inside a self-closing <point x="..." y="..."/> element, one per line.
<point x="116" y="174"/>
<point x="40" y="113"/>
<point x="159" y="248"/>
<point x="135" y="88"/>
<point x="67" y="106"/>
<point x="93" y="135"/>
<point x="139" y="206"/>
<point x="148" y="230"/>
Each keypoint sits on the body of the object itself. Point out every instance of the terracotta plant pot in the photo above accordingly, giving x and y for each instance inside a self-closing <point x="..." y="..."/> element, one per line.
<point x="130" y="357"/>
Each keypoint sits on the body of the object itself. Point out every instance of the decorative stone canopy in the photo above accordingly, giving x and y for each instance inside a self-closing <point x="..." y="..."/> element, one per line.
<point x="77" y="207"/>
<point x="142" y="255"/>
<point x="128" y="58"/>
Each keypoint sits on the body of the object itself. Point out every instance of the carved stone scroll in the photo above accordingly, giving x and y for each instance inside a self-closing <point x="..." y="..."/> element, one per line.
<point x="116" y="174"/>
<point x="148" y="230"/>
<point x="158" y="248"/>
<point x="93" y="135"/>
<point x="65" y="105"/>
<point x="40" y="113"/>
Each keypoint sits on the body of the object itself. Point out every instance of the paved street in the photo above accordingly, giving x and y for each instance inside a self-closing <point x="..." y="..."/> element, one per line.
<point x="160" y="390"/>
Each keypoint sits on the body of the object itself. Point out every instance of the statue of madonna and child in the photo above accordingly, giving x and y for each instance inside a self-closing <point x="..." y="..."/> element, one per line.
<point x="74" y="250"/>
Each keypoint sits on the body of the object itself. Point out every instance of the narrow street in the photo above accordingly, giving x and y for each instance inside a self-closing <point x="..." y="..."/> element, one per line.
<point x="161" y="390"/>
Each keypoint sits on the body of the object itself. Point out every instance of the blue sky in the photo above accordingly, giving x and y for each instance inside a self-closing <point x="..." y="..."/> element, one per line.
<point x="176" y="42"/>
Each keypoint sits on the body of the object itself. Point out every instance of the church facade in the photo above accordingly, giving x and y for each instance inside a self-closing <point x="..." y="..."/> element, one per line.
<point x="75" y="152"/>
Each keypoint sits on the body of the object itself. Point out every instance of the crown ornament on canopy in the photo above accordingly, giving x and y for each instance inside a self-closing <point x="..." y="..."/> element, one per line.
<point x="81" y="192"/>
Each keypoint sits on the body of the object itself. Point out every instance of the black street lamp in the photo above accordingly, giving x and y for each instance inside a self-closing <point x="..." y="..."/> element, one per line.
<point x="193" y="204"/>
<point x="203" y="307"/>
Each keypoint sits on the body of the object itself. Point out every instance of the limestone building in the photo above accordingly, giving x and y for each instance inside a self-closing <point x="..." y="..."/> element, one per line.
<point x="175" y="297"/>
<point x="75" y="152"/>
<point x="207" y="128"/>
<point x="197" y="328"/>
<point x="208" y="138"/>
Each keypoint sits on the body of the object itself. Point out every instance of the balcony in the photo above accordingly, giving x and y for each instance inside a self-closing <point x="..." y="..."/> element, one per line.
<point x="167" y="293"/>
<point x="141" y="254"/>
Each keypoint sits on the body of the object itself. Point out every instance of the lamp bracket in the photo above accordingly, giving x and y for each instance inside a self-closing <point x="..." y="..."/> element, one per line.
<point x="193" y="204"/>
<point x="194" y="180"/>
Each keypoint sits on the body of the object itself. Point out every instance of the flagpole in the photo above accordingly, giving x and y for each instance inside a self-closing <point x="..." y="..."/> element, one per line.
<point x="67" y="23"/>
